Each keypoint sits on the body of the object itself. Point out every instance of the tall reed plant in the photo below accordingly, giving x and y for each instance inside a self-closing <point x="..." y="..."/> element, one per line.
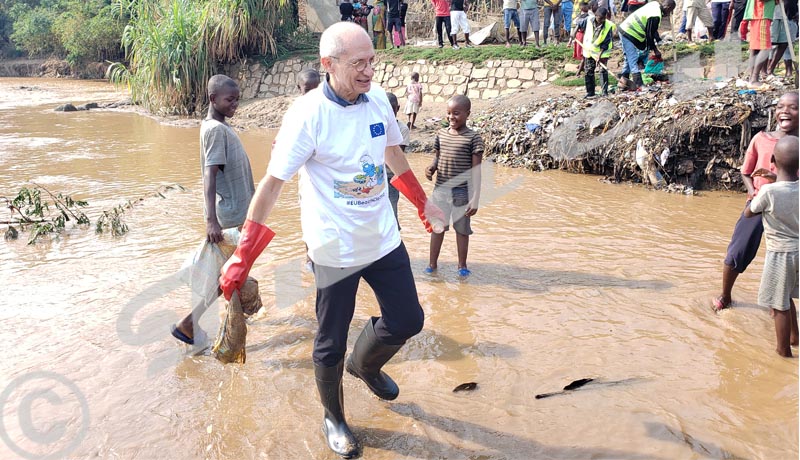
<point x="174" y="46"/>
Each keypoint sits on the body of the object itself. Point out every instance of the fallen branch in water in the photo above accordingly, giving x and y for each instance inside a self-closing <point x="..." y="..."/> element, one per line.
<point x="43" y="216"/>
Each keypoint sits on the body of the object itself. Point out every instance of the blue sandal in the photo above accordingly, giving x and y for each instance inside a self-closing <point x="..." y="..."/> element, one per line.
<point x="181" y="336"/>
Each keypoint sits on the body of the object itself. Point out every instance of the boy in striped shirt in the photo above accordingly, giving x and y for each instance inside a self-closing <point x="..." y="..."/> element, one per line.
<point x="458" y="151"/>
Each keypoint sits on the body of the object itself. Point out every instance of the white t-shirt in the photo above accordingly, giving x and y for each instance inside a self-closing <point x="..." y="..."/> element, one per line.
<point x="509" y="4"/>
<point x="778" y="203"/>
<point x="345" y="212"/>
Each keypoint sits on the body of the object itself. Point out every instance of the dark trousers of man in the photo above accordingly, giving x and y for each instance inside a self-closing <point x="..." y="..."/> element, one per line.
<point x="591" y="65"/>
<point x="394" y="24"/>
<point x="719" y="12"/>
<point x="443" y="20"/>
<point x="391" y="279"/>
<point x="738" y="16"/>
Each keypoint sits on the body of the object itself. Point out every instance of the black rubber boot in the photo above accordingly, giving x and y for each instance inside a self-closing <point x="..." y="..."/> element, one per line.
<point x="334" y="426"/>
<point x="368" y="357"/>
<point x="589" y="81"/>
<point x="637" y="80"/>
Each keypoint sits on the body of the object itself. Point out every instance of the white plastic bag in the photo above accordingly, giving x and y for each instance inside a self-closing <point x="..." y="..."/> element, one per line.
<point x="201" y="270"/>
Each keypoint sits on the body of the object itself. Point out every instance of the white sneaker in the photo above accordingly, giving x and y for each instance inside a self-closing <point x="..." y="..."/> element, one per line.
<point x="455" y="47"/>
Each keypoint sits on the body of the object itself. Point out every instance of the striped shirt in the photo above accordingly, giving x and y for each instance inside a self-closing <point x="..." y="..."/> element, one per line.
<point x="455" y="152"/>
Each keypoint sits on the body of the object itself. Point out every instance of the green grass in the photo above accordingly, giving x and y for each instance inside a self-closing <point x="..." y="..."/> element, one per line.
<point x="479" y="54"/>
<point x="568" y="79"/>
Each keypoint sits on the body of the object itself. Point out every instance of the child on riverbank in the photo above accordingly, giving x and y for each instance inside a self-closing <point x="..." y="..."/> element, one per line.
<point x="228" y="187"/>
<point x="394" y="194"/>
<point x="414" y="100"/>
<point x="777" y="203"/>
<point x="747" y="233"/>
<point x="458" y="151"/>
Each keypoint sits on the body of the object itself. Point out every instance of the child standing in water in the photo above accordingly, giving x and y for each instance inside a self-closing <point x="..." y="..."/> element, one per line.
<point x="747" y="233"/>
<point x="307" y="80"/>
<point x="778" y="205"/>
<point x="227" y="187"/>
<point x="458" y="151"/>
<point x="394" y="194"/>
<point x="414" y="101"/>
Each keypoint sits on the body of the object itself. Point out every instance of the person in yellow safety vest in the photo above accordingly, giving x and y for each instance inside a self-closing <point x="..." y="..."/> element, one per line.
<point x="639" y="31"/>
<point x="597" y="48"/>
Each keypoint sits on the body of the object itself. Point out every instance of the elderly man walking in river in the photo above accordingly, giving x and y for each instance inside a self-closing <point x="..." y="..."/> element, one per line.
<point x="340" y="138"/>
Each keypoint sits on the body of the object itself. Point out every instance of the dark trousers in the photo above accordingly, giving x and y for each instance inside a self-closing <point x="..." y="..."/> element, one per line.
<point x="391" y="279"/>
<point x="719" y="12"/>
<point x="745" y="241"/>
<point x="591" y="65"/>
<point x="393" y="24"/>
<point x="738" y="15"/>
<point x="446" y="21"/>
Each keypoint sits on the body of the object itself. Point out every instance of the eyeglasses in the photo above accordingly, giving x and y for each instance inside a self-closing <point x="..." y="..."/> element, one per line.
<point x="361" y="64"/>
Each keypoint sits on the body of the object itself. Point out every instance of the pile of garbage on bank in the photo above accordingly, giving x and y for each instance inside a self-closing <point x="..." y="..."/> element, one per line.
<point x="673" y="138"/>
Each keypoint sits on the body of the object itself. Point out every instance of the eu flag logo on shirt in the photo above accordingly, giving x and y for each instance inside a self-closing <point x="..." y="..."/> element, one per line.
<point x="377" y="130"/>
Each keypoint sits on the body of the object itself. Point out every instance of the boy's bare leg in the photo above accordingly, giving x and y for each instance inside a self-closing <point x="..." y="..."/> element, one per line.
<point x="759" y="65"/>
<point x="729" y="276"/>
<point x="413" y="120"/>
<point x="186" y="325"/>
<point x="776" y="58"/>
<point x="462" y="245"/>
<point x="783" y="327"/>
<point x="793" y="335"/>
<point x="436" y="247"/>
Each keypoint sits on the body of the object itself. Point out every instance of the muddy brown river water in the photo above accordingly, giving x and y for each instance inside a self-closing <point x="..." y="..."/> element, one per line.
<point x="572" y="278"/>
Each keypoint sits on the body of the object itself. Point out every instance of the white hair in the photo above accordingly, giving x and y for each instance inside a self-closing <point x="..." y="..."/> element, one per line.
<point x="332" y="44"/>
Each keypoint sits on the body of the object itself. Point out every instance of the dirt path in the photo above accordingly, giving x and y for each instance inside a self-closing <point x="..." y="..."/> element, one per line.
<point x="268" y="113"/>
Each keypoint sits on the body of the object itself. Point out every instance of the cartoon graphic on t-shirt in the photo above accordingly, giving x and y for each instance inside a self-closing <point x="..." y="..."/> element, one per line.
<point x="369" y="183"/>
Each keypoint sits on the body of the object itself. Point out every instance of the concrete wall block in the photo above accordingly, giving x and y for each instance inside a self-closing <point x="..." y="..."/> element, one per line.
<point x="480" y="73"/>
<point x="528" y="84"/>
<point x="525" y="74"/>
<point x="490" y="93"/>
<point x="448" y="90"/>
<point x="441" y="79"/>
<point x="435" y="89"/>
<point x="451" y="70"/>
<point x="500" y="73"/>
<point x="474" y="94"/>
<point x="538" y="64"/>
<point x="512" y="72"/>
<point x="440" y="99"/>
<point x="540" y="75"/>
<point x="514" y="83"/>
<point x="458" y="79"/>
<point x="508" y="91"/>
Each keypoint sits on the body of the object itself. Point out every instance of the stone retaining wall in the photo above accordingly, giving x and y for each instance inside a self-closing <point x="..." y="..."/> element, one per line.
<point x="440" y="80"/>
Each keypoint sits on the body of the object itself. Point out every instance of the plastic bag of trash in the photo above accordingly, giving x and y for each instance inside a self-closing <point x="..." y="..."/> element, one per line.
<point x="201" y="269"/>
<point x="232" y="337"/>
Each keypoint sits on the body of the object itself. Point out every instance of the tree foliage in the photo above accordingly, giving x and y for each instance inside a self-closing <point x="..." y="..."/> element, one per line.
<point x="79" y="30"/>
<point x="174" y="46"/>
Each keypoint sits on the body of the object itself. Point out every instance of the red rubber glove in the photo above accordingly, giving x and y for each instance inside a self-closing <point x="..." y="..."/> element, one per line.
<point x="408" y="185"/>
<point x="255" y="237"/>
